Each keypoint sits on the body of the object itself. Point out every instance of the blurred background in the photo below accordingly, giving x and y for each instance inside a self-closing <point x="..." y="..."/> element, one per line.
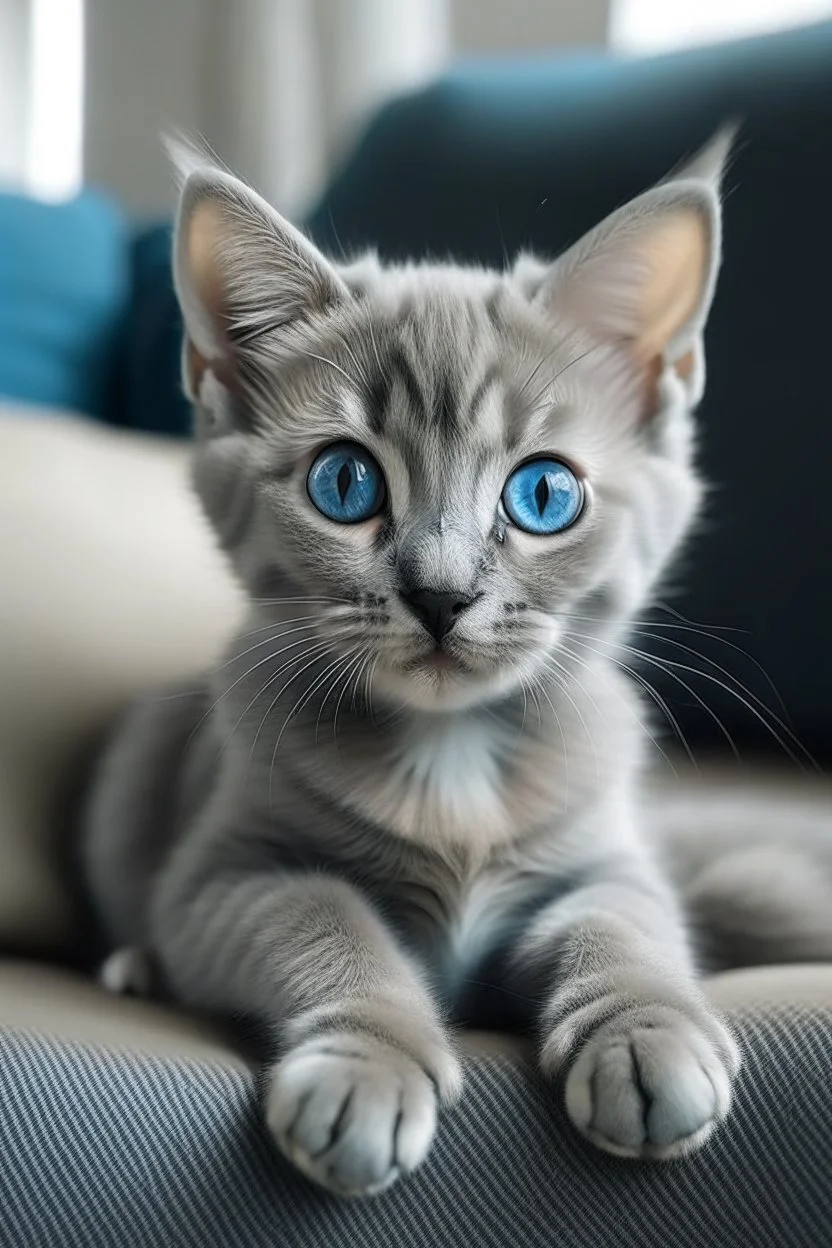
<point x="280" y="88"/>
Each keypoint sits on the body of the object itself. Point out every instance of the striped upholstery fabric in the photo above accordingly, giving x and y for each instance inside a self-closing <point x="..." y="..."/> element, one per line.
<point x="99" y="1149"/>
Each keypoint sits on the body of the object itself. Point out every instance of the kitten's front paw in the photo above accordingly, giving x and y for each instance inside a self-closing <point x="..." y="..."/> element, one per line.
<point x="653" y="1086"/>
<point x="351" y="1112"/>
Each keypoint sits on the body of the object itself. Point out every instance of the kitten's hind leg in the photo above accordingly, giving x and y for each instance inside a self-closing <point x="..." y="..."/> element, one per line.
<point x="127" y="971"/>
<point x="763" y="906"/>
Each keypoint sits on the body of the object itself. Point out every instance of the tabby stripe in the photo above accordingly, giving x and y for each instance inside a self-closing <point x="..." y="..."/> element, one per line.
<point x="445" y="407"/>
<point x="477" y="398"/>
<point x="492" y="308"/>
<point x="403" y="369"/>
<point x="378" y="402"/>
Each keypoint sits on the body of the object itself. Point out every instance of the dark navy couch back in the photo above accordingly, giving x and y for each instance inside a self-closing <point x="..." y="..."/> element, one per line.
<point x="498" y="157"/>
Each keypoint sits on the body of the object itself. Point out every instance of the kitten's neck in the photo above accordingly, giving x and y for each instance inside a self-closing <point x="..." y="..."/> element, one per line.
<point x="481" y="776"/>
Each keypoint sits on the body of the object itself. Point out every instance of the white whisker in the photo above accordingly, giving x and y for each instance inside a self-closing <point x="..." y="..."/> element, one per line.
<point x="305" y="697"/>
<point x="565" y="691"/>
<point x="710" y="631"/>
<point x="370" y="675"/>
<point x="545" y="693"/>
<point x="340" y="664"/>
<point x="253" y="668"/>
<point x="323" y="360"/>
<point x="647" y="658"/>
<point x="340" y="700"/>
<point x="358" y="367"/>
<point x="267" y="641"/>
<point x="670" y="641"/>
<point x="317" y="650"/>
<point x="653" y="693"/>
<point x="668" y="666"/>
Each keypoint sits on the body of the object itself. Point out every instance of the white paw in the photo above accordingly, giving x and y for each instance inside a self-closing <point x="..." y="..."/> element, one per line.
<point x="351" y="1112"/>
<point x="657" y="1089"/>
<point x="127" y="970"/>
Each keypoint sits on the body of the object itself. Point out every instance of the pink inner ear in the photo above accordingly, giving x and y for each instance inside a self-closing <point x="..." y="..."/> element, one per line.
<point x="652" y="371"/>
<point x="641" y="279"/>
<point x="205" y="230"/>
<point x="684" y="365"/>
<point x="197" y="366"/>
<point x="675" y="258"/>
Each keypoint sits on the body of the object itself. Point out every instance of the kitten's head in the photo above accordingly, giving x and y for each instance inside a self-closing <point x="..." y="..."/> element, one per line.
<point x="444" y="463"/>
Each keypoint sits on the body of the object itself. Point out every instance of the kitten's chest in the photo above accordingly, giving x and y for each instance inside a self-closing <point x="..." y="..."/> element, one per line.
<point x="443" y="777"/>
<point x="463" y="920"/>
<point x="460" y="781"/>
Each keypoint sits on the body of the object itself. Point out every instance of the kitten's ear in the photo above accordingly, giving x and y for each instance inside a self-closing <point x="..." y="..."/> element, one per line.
<point x="241" y="271"/>
<point x="647" y="273"/>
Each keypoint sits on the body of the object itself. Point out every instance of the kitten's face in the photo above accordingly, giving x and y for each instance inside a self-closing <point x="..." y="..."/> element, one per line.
<point x="438" y="389"/>
<point x="445" y="468"/>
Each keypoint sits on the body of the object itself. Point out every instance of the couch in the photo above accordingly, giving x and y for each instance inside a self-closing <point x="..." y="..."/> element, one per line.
<point x="125" y="1122"/>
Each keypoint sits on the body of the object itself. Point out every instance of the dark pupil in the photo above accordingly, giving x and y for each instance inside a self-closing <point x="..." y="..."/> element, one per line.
<point x="541" y="494"/>
<point x="343" y="481"/>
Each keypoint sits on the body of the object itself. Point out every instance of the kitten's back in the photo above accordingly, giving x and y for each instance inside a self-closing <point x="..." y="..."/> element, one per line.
<point x="753" y="860"/>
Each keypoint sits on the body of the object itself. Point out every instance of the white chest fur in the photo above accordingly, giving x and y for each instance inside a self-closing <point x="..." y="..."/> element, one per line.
<point x="444" y="782"/>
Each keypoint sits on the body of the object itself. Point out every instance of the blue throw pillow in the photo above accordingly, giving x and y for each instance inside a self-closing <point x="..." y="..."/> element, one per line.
<point x="64" y="287"/>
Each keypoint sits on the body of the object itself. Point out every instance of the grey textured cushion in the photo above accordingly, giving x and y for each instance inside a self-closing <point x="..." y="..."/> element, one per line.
<point x="108" y="1149"/>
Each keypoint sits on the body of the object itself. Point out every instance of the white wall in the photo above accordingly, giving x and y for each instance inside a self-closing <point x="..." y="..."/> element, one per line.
<point x="144" y="75"/>
<point x="14" y="89"/>
<point x="507" y="26"/>
<point x="273" y="85"/>
<point x="278" y="87"/>
<point x="290" y="81"/>
<point x="646" y="26"/>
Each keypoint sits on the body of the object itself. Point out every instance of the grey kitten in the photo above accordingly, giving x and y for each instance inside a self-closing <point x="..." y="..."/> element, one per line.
<point x="414" y="782"/>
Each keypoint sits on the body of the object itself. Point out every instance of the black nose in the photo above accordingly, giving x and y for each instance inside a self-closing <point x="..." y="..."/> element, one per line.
<point x="437" y="609"/>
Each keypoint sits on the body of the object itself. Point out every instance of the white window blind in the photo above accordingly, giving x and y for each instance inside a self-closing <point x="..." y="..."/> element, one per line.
<point x="41" y="96"/>
<point x="656" y="25"/>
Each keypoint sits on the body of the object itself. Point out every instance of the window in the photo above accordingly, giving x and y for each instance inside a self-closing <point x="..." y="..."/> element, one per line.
<point x="54" y="147"/>
<point x="41" y="96"/>
<point x="654" y="25"/>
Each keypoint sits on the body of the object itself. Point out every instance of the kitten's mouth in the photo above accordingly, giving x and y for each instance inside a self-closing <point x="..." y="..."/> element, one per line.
<point x="442" y="661"/>
<point x="440" y="679"/>
<point x="439" y="660"/>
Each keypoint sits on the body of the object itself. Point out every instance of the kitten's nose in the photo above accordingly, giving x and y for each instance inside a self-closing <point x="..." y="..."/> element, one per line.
<point x="437" y="609"/>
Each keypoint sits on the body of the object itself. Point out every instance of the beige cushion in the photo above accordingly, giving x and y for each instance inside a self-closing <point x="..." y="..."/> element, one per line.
<point x="109" y="583"/>
<point x="809" y="984"/>
<point x="722" y="798"/>
<point x="35" y="997"/>
<point x="56" y="1002"/>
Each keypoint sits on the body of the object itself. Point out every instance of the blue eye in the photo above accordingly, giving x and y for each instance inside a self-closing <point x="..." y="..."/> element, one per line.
<point x="345" y="483"/>
<point x="543" y="496"/>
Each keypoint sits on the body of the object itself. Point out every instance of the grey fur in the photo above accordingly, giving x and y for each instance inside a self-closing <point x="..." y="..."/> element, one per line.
<point x="347" y="842"/>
